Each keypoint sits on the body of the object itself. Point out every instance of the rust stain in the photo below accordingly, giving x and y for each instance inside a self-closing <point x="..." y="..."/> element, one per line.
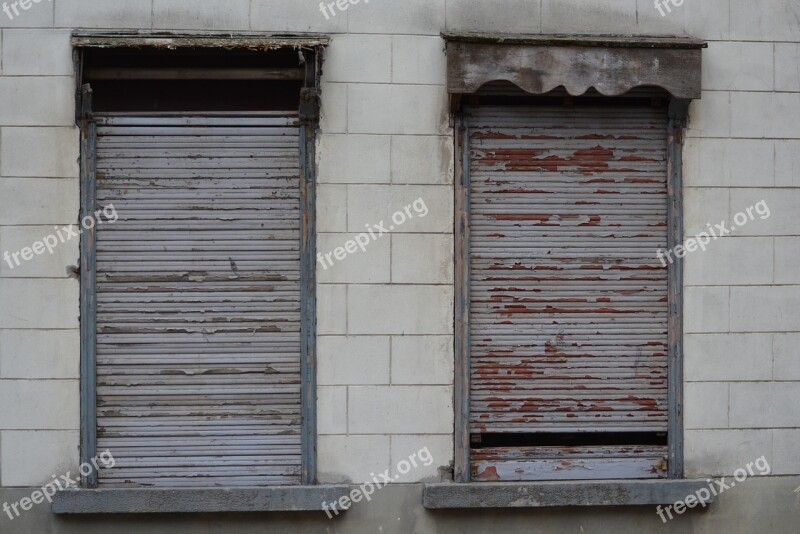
<point x="489" y="134"/>
<point x="539" y="137"/>
<point x="643" y="180"/>
<point x="488" y="474"/>
<point x="520" y="217"/>
<point x="594" y="136"/>
<point x="638" y="158"/>
<point x="595" y="155"/>
<point x="594" y="220"/>
<point x="554" y="310"/>
<point x="522" y="190"/>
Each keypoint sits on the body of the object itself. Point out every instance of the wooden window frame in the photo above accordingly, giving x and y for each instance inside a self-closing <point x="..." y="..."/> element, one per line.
<point x="537" y="64"/>
<point x="310" y="49"/>
<point x="678" y="112"/>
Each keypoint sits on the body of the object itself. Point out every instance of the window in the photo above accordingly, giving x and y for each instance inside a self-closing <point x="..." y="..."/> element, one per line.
<point x="567" y="324"/>
<point x="198" y="300"/>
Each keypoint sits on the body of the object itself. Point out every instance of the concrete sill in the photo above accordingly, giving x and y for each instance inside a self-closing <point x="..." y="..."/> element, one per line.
<point x="567" y="493"/>
<point x="146" y="501"/>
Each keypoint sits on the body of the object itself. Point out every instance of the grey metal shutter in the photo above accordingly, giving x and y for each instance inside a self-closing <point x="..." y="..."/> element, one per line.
<point x="198" y="299"/>
<point x="568" y="302"/>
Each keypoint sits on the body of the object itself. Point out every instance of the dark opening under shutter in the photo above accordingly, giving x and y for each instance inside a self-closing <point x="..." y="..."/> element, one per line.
<point x="198" y="299"/>
<point x="568" y="302"/>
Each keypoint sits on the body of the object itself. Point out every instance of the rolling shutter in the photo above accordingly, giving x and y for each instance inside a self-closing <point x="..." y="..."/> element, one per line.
<point x="568" y="301"/>
<point x="198" y="299"/>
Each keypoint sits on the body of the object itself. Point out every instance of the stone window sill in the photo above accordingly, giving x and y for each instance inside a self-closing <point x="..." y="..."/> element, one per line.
<point x="568" y="493"/>
<point x="145" y="501"/>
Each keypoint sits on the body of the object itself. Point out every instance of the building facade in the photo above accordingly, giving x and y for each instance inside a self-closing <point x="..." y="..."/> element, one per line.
<point x="475" y="266"/>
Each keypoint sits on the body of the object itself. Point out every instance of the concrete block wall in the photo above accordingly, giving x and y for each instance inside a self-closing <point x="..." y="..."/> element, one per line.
<point x="39" y="189"/>
<point x="385" y="315"/>
<point x="741" y="309"/>
<point x="385" y="348"/>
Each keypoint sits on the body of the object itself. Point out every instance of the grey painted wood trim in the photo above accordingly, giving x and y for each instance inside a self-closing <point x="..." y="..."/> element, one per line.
<point x="141" y="501"/>
<point x="209" y="73"/>
<point x="546" y="494"/>
<point x="194" y="39"/>
<point x="678" y="113"/>
<point x="540" y="68"/>
<point x="309" y="116"/>
<point x="308" y="319"/>
<point x="462" y="365"/>
<point x="88" y="296"/>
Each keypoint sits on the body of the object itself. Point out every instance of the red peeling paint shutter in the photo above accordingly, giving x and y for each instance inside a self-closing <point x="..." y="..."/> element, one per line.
<point x="568" y="301"/>
<point x="198" y="300"/>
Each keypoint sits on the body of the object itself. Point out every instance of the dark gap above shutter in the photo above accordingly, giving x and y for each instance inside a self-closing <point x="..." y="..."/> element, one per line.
<point x="193" y="79"/>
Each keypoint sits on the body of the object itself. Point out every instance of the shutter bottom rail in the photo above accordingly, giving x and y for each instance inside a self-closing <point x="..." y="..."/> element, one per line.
<point x="516" y="464"/>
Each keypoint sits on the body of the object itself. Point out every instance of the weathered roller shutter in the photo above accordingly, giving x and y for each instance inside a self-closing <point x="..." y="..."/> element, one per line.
<point x="568" y="303"/>
<point x="198" y="299"/>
